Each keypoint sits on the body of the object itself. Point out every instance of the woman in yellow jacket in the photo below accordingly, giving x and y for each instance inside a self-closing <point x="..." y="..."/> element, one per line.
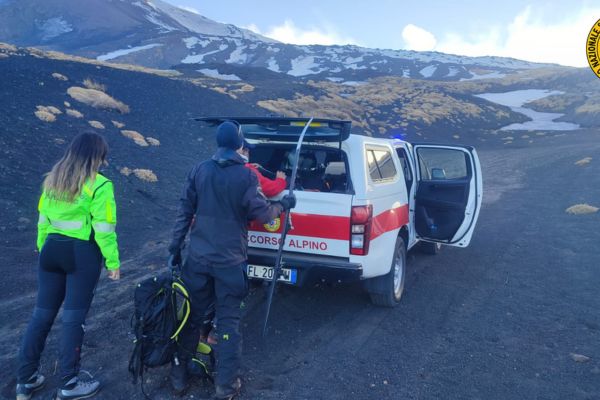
<point x="76" y="231"/>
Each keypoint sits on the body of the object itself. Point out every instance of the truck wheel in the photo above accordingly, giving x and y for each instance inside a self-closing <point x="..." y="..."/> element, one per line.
<point x="430" y="248"/>
<point x="387" y="290"/>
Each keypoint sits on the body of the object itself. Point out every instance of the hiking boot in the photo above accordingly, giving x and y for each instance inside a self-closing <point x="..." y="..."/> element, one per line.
<point x="76" y="388"/>
<point x="179" y="376"/>
<point x="25" y="390"/>
<point x="228" y="392"/>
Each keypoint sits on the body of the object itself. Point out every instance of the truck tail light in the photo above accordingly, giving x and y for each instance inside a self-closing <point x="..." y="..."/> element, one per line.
<point x="360" y="232"/>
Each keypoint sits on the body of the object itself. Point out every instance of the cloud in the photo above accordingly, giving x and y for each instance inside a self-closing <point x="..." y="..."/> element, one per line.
<point x="530" y="38"/>
<point x="288" y="32"/>
<point x="419" y="39"/>
<point x="253" y="28"/>
<point x="190" y="9"/>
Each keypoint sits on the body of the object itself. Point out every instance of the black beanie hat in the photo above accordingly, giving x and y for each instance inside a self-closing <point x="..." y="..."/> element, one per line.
<point x="229" y="135"/>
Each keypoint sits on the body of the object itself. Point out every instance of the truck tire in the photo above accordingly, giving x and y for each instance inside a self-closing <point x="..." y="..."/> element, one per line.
<point x="386" y="290"/>
<point x="430" y="248"/>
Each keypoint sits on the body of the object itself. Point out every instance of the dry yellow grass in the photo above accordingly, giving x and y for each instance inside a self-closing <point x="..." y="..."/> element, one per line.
<point x="145" y="175"/>
<point x="60" y="77"/>
<point x="246" y="88"/>
<point x="45" y="116"/>
<point x="74" y="113"/>
<point x="583" y="161"/>
<point x="118" y="124"/>
<point x="49" y="109"/>
<point x="580" y="209"/>
<point x="90" y="84"/>
<point x="137" y="137"/>
<point x="96" y="124"/>
<point x="97" y="99"/>
<point x="8" y="47"/>
<point x="125" y="171"/>
<point x="55" y="55"/>
<point x="152" y="141"/>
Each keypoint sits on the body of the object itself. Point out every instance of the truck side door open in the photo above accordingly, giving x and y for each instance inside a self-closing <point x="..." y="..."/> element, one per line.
<point x="449" y="193"/>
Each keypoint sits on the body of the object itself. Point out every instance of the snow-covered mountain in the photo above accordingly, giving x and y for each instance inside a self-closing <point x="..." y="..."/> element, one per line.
<point x="156" y="34"/>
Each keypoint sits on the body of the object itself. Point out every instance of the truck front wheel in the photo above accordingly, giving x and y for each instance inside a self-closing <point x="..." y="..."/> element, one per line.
<point x="386" y="290"/>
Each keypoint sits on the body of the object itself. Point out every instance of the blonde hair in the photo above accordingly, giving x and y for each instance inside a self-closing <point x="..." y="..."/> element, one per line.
<point x="80" y="163"/>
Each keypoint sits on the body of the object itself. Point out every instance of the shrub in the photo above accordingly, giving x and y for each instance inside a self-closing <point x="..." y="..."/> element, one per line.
<point x="8" y="47"/>
<point x="45" y="116"/>
<point x="49" y="109"/>
<point x="90" y="84"/>
<point x="152" y="141"/>
<point x="96" y="124"/>
<point x="579" y="209"/>
<point x="118" y="124"/>
<point x="584" y="161"/>
<point x="137" y="137"/>
<point x="145" y="175"/>
<point x="74" y="113"/>
<point x="60" y="77"/>
<point x="97" y="99"/>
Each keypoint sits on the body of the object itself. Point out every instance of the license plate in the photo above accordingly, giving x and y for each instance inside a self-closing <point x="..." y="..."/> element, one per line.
<point x="261" y="272"/>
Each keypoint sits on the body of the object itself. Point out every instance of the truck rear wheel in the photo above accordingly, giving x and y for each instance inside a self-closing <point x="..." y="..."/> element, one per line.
<point x="386" y="290"/>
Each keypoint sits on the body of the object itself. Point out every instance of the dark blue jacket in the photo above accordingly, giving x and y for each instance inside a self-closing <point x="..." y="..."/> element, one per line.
<point x="223" y="196"/>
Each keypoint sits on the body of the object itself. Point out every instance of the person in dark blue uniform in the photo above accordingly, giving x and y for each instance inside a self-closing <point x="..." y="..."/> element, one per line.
<point x="220" y="196"/>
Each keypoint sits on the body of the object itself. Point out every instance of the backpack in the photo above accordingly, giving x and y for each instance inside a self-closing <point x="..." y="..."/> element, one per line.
<point x="162" y="307"/>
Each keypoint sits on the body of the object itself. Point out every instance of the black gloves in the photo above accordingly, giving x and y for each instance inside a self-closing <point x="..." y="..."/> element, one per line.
<point x="175" y="258"/>
<point x="288" y="202"/>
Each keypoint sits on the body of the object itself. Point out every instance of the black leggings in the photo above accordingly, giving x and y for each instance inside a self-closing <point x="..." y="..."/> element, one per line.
<point x="68" y="273"/>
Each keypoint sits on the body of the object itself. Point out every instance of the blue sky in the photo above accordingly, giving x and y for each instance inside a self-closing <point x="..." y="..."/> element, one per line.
<point x="544" y="31"/>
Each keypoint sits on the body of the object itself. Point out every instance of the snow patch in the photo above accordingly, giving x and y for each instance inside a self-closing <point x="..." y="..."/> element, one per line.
<point x="335" y="79"/>
<point x="354" y="60"/>
<point x="491" y="75"/>
<point x="123" y="52"/>
<point x="273" y="65"/>
<point x="428" y="71"/>
<point x="214" y="73"/>
<point x="54" y="27"/>
<point x="304" y="65"/>
<point x="452" y="71"/>
<point x="238" y="56"/>
<point x="199" y="58"/>
<point x="539" y="120"/>
<point x="354" y="83"/>
<point x="193" y="41"/>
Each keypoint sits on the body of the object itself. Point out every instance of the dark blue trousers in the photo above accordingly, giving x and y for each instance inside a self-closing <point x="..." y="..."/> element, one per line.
<point x="226" y="287"/>
<point x="68" y="273"/>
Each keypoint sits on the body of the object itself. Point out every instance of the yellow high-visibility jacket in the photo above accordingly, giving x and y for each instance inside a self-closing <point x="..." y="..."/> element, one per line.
<point x="94" y="209"/>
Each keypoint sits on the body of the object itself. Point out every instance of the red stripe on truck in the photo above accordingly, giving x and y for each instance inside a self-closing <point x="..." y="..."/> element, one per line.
<point x="337" y="227"/>
<point x="389" y="220"/>
<point x="312" y="225"/>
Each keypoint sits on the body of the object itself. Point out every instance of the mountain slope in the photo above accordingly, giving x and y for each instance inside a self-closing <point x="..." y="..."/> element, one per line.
<point x="156" y="34"/>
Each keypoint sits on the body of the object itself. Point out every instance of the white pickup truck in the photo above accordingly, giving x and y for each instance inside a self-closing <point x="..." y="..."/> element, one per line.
<point x="362" y="203"/>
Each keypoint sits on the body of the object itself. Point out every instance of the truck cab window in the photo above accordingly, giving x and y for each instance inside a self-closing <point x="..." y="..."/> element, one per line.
<point x="381" y="165"/>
